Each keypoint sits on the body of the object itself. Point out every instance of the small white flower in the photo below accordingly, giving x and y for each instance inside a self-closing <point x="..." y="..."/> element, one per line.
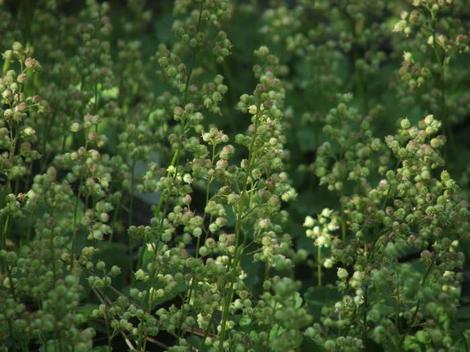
<point x="326" y="212"/>
<point x="206" y="136"/>
<point x="28" y="131"/>
<point x="321" y="241"/>
<point x="342" y="273"/>
<point x="309" y="222"/>
<point x="75" y="127"/>
<point x="328" y="263"/>
<point x="430" y="40"/>
<point x="407" y="56"/>
<point x="187" y="178"/>
<point x="252" y="109"/>
<point x="332" y="226"/>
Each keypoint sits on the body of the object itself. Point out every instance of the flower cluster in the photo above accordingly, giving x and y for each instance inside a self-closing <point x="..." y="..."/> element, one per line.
<point x="410" y="210"/>
<point x="214" y="175"/>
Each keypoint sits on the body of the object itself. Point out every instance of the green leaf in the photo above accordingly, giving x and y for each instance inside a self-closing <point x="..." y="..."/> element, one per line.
<point x="87" y="309"/>
<point x="318" y="297"/>
<point x="308" y="140"/>
<point x="245" y="321"/>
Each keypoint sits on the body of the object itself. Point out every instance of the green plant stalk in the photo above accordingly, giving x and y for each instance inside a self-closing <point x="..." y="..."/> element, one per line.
<point x="115" y="216"/>
<point x="234" y="261"/>
<point x="176" y="155"/>
<point x="206" y="333"/>
<point x="74" y="224"/>
<point x="418" y="303"/>
<point x="198" y="243"/>
<point x="319" y="269"/>
<point x="441" y="61"/>
<point x="130" y="213"/>
<point x="106" y="319"/>
<point x="4" y="232"/>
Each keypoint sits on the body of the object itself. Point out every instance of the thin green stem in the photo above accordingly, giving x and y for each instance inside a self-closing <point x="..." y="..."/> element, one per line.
<point x="441" y="79"/>
<point x="130" y="214"/>
<point x="74" y="223"/>
<point x="106" y="319"/>
<point x="234" y="260"/>
<point x="175" y="159"/>
<point x="319" y="269"/>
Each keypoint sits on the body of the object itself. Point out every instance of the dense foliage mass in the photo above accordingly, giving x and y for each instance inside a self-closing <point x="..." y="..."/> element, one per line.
<point x="215" y="175"/>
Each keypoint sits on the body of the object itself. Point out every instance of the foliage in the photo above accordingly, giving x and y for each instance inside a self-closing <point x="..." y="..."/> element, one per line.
<point x="214" y="175"/>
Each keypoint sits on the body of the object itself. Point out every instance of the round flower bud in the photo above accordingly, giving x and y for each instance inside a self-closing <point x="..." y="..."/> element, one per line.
<point x="252" y="109"/>
<point x="342" y="273"/>
<point x="75" y="127"/>
<point x="405" y="124"/>
<point x="309" y="222"/>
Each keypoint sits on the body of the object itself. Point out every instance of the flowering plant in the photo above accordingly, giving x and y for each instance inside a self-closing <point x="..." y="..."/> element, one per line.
<point x="214" y="175"/>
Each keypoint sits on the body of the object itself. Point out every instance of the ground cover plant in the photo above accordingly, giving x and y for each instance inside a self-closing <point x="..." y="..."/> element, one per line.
<point x="215" y="175"/>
